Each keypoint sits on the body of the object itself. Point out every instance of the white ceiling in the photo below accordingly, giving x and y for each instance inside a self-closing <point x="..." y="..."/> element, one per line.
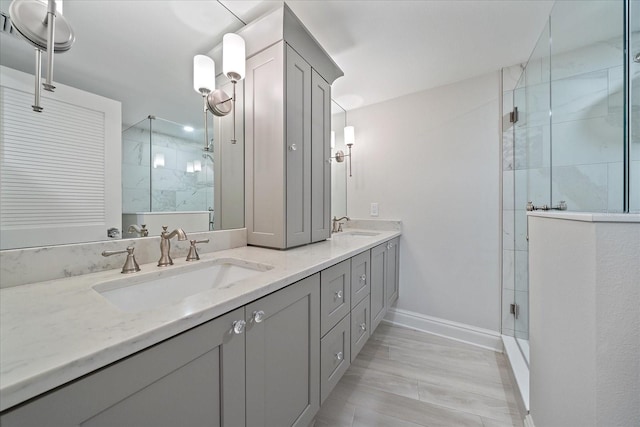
<point x="140" y="51"/>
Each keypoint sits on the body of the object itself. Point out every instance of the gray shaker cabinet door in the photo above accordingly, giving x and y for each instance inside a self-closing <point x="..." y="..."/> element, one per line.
<point x="282" y="357"/>
<point x="360" y="277"/>
<point x="265" y="155"/>
<point x="378" y="276"/>
<point x="194" y="379"/>
<point x="298" y="149"/>
<point x="335" y="295"/>
<point x="320" y="158"/>
<point x="360" y="324"/>
<point x="393" y="261"/>
<point x="335" y="356"/>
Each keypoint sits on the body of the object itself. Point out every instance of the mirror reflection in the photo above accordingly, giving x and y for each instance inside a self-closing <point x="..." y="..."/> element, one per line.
<point x="140" y="53"/>
<point x="338" y="170"/>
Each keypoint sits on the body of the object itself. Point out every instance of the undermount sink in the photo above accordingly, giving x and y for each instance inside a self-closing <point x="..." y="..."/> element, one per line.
<point x="358" y="233"/>
<point x="132" y="294"/>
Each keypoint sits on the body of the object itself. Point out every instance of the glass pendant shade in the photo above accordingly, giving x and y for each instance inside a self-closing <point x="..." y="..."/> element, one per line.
<point x="204" y="74"/>
<point x="233" y="56"/>
<point x="349" y="135"/>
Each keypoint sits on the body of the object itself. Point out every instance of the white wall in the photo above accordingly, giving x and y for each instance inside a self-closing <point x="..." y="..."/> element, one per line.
<point x="432" y="160"/>
<point x="584" y="333"/>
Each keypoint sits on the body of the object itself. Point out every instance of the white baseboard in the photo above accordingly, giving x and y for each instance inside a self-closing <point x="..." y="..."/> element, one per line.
<point x="445" y="328"/>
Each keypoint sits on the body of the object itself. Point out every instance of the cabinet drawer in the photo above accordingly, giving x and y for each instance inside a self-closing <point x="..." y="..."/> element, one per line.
<point x="335" y="295"/>
<point x="335" y="357"/>
<point x="360" y="272"/>
<point x="360" y="321"/>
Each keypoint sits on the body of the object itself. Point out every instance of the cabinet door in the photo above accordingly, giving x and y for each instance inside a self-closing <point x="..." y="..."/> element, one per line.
<point x="393" y="260"/>
<point x="335" y="356"/>
<point x="298" y="135"/>
<point x="335" y="295"/>
<point x="264" y="139"/>
<point x="378" y="276"/>
<point x="282" y="358"/>
<point x="360" y="323"/>
<point x="360" y="277"/>
<point x="320" y="154"/>
<point x="194" y="379"/>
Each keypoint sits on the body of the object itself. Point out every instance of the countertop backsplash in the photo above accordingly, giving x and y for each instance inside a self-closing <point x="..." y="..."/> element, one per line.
<point x="30" y="265"/>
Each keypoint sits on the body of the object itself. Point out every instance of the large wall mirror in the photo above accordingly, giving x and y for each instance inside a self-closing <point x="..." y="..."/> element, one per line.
<point x="140" y="53"/>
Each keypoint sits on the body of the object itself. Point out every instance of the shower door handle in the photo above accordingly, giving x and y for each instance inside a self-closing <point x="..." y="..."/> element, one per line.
<point x="561" y="206"/>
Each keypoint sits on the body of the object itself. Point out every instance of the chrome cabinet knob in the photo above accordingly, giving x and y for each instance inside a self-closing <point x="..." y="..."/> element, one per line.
<point x="338" y="295"/>
<point x="363" y="279"/>
<point x="258" y="316"/>
<point x="293" y="147"/>
<point x="339" y="356"/>
<point x="238" y="326"/>
<point x="363" y="327"/>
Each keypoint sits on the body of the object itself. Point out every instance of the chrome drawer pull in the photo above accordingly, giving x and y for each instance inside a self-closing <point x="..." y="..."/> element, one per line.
<point x="339" y="356"/>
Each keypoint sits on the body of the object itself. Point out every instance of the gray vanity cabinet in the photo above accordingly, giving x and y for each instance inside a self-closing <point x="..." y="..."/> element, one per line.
<point x="360" y="277"/>
<point x="393" y="270"/>
<point x="194" y="379"/>
<point x="279" y="119"/>
<point x="385" y="259"/>
<point x="378" y="288"/>
<point x="287" y="132"/>
<point x="282" y="356"/>
<point x="335" y="295"/>
<point x="320" y="158"/>
<point x="360" y="325"/>
<point x="298" y="149"/>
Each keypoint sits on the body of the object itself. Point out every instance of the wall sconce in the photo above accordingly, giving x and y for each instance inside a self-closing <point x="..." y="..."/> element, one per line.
<point x="349" y="140"/>
<point x="204" y="81"/>
<point x="233" y="66"/>
<point x="41" y="23"/>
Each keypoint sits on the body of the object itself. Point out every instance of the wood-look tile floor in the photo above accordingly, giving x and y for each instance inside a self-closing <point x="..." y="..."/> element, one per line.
<point x="406" y="378"/>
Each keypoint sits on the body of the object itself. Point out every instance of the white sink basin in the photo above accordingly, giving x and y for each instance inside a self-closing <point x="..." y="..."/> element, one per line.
<point x="134" y="294"/>
<point x="358" y="233"/>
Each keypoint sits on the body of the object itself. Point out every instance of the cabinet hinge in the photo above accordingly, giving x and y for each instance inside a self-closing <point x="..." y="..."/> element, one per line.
<point x="513" y="116"/>
<point x="514" y="309"/>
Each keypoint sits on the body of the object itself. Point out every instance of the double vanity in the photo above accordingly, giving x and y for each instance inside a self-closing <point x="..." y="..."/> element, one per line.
<point x="243" y="337"/>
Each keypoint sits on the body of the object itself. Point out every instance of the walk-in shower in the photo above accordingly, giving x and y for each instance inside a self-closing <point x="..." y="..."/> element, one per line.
<point x="164" y="169"/>
<point x="571" y="132"/>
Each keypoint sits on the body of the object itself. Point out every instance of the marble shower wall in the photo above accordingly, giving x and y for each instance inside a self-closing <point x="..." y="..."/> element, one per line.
<point x="168" y="188"/>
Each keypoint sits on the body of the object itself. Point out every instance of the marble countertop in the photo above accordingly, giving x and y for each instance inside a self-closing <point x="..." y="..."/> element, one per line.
<point x="56" y="331"/>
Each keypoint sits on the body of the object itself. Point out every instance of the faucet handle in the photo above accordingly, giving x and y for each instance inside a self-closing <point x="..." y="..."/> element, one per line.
<point x="130" y="265"/>
<point x="193" y="250"/>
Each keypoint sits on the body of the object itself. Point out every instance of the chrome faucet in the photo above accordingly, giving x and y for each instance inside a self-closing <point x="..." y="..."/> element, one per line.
<point x="165" y="244"/>
<point x="337" y="225"/>
<point x="142" y="230"/>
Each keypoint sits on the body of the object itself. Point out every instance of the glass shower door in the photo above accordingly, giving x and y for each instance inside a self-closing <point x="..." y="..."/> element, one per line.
<point x="532" y="174"/>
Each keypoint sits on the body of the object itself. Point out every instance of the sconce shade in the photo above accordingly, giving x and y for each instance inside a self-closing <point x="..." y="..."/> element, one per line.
<point x="233" y="57"/>
<point x="349" y="135"/>
<point x="204" y="74"/>
<point x="333" y="139"/>
<point x="158" y="160"/>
